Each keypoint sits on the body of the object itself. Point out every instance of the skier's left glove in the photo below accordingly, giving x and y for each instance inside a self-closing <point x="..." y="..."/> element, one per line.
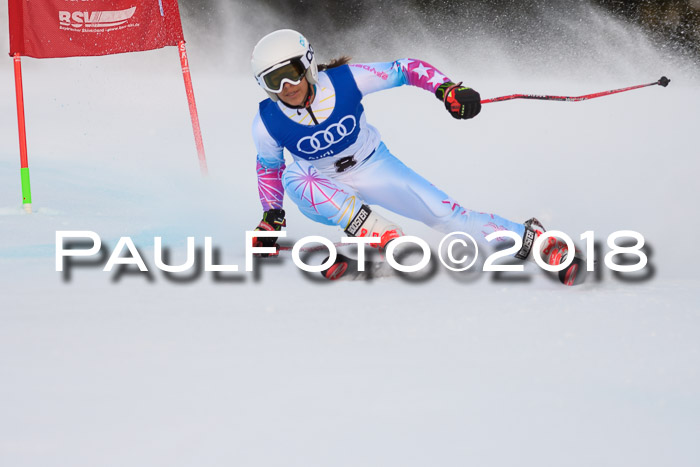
<point x="460" y="102"/>
<point x="273" y="220"/>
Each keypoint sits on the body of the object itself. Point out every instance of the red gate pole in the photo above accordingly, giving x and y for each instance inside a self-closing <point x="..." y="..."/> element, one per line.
<point x="193" y="108"/>
<point x="24" y="162"/>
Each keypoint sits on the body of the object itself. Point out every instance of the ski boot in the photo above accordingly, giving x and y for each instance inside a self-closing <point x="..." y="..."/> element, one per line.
<point x="370" y="224"/>
<point x="553" y="252"/>
<point x="365" y="224"/>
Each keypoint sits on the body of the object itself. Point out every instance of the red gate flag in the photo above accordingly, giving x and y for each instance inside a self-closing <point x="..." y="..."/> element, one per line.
<point x="66" y="28"/>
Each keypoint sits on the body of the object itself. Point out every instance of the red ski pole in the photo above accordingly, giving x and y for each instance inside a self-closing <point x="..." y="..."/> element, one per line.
<point x="663" y="81"/>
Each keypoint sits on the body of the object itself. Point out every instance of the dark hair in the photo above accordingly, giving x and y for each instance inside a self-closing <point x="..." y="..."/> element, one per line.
<point x="336" y="62"/>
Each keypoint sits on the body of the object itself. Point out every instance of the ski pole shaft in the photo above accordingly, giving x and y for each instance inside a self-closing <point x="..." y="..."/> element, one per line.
<point x="663" y="81"/>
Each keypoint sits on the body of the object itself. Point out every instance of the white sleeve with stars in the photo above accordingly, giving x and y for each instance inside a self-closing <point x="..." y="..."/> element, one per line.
<point x="373" y="77"/>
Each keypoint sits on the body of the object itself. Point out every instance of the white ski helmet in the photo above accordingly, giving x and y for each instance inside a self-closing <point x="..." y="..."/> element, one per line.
<point x="280" y="48"/>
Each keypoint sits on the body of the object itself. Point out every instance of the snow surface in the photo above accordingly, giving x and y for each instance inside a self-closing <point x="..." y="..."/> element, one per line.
<point x="275" y="369"/>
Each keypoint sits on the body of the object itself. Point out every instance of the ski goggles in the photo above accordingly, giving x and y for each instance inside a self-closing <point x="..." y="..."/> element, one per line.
<point x="290" y="71"/>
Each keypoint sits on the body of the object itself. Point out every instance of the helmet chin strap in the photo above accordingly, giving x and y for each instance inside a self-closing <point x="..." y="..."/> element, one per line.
<point x="310" y="91"/>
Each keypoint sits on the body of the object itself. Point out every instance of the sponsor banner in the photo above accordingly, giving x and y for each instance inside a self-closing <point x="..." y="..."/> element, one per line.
<point x="69" y="28"/>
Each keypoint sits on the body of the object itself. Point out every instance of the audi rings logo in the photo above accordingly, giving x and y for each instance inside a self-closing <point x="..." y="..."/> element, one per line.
<point x="324" y="139"/>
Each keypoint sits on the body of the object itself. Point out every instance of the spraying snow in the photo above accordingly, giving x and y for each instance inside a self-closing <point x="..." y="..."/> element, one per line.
<point x="273" y="368"/>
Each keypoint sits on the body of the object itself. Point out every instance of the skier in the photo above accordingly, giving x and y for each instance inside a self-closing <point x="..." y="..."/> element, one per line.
<point x="340" y="165"/>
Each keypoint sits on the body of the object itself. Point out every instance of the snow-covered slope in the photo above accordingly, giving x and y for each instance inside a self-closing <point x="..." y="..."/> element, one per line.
<point x="273" y="368"/>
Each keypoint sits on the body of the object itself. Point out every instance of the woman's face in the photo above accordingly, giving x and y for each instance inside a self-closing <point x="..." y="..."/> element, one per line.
<point x="294" y="94"/>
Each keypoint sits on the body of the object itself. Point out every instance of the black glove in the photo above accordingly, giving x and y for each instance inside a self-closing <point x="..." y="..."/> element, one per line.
<point x="273" y="220"/>
<point x="459" y="101"/>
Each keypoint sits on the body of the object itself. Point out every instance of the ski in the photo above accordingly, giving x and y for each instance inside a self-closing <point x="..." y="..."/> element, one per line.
<point x="347" y="269"/>
<point x="575" y="273"/>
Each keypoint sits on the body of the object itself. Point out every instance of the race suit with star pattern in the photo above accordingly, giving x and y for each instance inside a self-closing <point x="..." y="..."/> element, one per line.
<point x="339" y="161"/>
